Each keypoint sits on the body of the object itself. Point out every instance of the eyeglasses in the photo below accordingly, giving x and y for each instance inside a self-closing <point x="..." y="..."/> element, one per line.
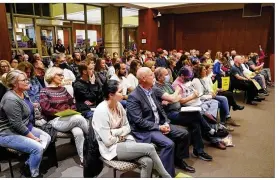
<point x="60" y="75"/>
<point x="4" y="66"/>
<point x="24" y="80"/>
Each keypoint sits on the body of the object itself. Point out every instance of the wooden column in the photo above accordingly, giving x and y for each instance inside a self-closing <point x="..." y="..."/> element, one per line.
<point x="5" y="45"/>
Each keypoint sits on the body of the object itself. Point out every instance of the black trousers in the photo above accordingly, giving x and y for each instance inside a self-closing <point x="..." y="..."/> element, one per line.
<point x="230" y="96"/>
<point x="248" y="86"/>
<point x="192" y="120"/>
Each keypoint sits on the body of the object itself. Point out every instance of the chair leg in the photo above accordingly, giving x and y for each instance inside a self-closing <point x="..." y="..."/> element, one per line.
<point x="114" y="173"/>
<point x="11" y="168"/>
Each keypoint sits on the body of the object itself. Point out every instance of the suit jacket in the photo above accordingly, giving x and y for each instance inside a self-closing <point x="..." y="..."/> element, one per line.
<point x="161" y="62"/>
<point x="141" y="117"/>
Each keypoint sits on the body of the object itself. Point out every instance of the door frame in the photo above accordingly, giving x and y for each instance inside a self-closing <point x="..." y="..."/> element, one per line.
<point x="55" y="35"/>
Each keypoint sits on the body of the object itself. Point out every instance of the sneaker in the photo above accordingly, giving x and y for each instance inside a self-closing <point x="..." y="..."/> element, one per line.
<point x="229" y="128"/>
<point x="232" y="122"/>
<point x="204" y="156"/>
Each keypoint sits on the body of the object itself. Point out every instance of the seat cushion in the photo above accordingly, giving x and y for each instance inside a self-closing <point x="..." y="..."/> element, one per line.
<point x="120" y="165"/>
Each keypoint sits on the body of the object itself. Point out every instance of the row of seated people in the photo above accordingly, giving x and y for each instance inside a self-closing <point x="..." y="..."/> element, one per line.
<point x="152" y="126"/>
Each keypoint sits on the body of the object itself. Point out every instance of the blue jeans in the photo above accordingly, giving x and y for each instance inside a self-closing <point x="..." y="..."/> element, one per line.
<point x="224" y="108"/>
<point x="27" y="145"/>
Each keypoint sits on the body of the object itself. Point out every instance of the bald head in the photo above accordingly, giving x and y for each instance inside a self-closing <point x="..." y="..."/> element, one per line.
<point x="145" y="77"/>
<point x="142" y="72"/>
<point x="233" y="53"/>
<point x="237" y="59"/>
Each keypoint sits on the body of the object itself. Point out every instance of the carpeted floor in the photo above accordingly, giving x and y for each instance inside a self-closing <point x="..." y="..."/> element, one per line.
<point x="252" y="156"/>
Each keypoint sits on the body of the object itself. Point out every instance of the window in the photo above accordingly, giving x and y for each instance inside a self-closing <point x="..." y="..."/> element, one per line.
<point x="57" y="10"/>
<point x="24" y="8"/>
<point x="75" y="12"/>
<point x="92" y="37"/>
<point x="130" y="17"/>
<point x="45" y="9"/>
<point x="25" y="32"/>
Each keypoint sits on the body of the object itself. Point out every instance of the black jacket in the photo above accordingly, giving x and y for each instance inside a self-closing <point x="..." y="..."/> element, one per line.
<point x="84" y="91"/>
<point x="3" y="90"/>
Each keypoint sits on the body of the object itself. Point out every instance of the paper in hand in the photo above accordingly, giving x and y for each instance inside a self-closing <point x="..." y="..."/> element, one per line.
<point x="43" y="141"/>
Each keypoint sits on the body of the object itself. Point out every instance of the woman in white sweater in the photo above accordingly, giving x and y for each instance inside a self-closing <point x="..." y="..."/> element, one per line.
<point x="134" y="66"/>
<point x="113" y="134"/>
<point x="202" y="87"/>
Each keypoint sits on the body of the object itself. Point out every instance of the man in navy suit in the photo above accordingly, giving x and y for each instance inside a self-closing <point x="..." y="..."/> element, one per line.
<point x="161" y="61"/>
<point x="149" y="124"/>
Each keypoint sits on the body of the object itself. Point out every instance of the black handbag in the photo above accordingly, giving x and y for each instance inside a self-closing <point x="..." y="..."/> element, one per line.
<point x="92" y="165"/>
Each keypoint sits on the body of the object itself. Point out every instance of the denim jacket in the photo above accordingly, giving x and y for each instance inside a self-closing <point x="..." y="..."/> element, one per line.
<point x="35" y="88"/>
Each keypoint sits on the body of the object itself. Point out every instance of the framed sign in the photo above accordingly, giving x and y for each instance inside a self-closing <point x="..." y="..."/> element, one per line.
<point x="144" y="41"/>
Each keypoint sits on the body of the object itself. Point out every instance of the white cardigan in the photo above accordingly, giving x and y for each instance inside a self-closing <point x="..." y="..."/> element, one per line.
<point x="108" y="138"/>
<point x="200" y="89"/>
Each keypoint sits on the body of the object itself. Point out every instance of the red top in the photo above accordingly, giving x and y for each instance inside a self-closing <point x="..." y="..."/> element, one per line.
<point x="55" y="99"/>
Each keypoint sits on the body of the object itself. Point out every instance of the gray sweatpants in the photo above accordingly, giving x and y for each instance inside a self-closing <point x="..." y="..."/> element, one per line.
<point x="78" y="125"/>
<point x="146" y="156"/>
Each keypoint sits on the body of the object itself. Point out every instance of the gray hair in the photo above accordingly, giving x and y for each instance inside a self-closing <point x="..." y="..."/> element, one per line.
<point x="50" y="73"/>
<point x="158" y="72"/>
<point x="11" y="78"/>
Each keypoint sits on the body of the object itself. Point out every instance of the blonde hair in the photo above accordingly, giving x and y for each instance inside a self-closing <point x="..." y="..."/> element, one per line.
<point x="7" y="62"/>
<point x="217" y="56"/>
<point x="11" y="78"/>
<point x="149" y="64"/>
<point x="50" y="73"/>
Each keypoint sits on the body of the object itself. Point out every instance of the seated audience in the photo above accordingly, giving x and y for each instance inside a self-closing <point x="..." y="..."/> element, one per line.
<point x="39" y="71"/>
<point x="120" y="73"/>
<point x="68" y="76"/>
<point x="69" y="59"/>
<point x="228" y="94"/>
<point x="239" y="81"/>
<point x="5" y="67"/>
<point x="150" y="64"/>
<point x="55" y="98"/>
<point x="35" y="86"/>
<point x="87" y="90"/>
<point x="131" y="78"/>
<point x="172" y="69"/>
<point x="74" y="66"/>
<point x="217" y="70"/>
<point x="161" y="61"/>
<point x="258" y="77"/>
<point x="111" y="69"/>
<point x="149" y="124"/>
<point x="101" y="71"/>
<point x="14" y="64"/>
<point x="17" y="120"/>
<point x="108" y="59"/>
<point x="128" y="62"/>
<point x="113" y="134"/>
<point x="193" y="56"/>
<point x="171" y="105"/>
<point x="202" y="88"/>
<point x="190" y="96"/>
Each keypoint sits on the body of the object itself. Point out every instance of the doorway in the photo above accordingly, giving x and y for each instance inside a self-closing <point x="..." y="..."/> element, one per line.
<point x="47" y="36"/>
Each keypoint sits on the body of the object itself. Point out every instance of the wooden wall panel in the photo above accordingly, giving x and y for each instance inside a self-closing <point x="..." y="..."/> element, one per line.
<point x="218" y="31"/>
<point x="5" y="46"/>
